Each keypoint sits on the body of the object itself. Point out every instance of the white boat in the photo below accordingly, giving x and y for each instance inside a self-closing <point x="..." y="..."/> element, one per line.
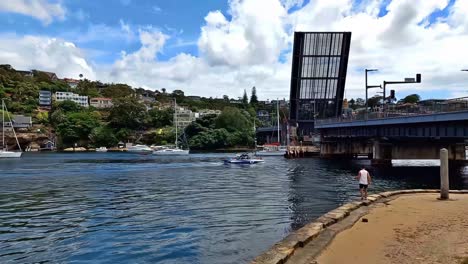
<point x="271" y="150"/>
<point x="4" y="152"/>
<point x="244" y="159"/>
<point x="101" y="149"/>
<point x="173" y="151"/>
<point x="143" y="149"/>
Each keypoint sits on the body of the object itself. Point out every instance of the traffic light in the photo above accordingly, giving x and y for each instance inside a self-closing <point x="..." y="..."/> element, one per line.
<point x="392" y="94"/>
<point x="418" y="78"/>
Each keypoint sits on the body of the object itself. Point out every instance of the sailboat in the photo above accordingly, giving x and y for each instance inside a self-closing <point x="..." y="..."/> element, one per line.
<point x="173" y="151"/>
<point x="4" y="153"/>
<point x="274" y="149"/>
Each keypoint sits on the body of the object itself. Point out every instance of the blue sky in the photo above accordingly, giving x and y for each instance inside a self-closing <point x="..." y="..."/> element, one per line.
<point x="189" y="45"/>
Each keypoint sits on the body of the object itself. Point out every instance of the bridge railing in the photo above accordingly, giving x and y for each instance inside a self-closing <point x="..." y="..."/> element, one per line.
<point x="396" y="111"/>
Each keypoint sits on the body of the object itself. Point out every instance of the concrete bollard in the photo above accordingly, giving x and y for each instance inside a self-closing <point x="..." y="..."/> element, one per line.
<point x="444" y="174"/>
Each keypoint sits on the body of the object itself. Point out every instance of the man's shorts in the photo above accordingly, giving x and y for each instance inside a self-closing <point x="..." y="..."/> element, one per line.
<point x="363" y="186"/>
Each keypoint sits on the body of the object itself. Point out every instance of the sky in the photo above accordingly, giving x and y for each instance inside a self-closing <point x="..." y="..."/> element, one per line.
<point x="221" y="47"/>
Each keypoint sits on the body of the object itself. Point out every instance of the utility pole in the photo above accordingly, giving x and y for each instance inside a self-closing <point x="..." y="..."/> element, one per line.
<point x="367" y="88"/>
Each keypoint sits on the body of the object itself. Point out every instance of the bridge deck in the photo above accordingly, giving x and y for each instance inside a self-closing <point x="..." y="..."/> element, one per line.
<point x="397" y="120"/>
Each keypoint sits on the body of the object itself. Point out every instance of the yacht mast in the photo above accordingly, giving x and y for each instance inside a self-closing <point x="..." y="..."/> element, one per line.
<point x="3" y="125"/>
<point x="278" y="120"/>
<point x="175" y="121"/>
<point x="11" y="123"/>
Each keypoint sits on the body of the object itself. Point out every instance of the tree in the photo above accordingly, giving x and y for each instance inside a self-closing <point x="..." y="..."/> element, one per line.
<point x="127" y="113"/>
<point x="103" y="136"/>
<point x="226" y="98"/>
<point x="160" y="118"/>
<point x="411" y="99"/>
<point x="232" y="119"/>
<point x="118" y="91"/>
<point x="88" y="88"/>
<point x="66" y="106"/>
<point x="374" y="101"/>
<point x="245" y="99"/>
<point x="77" y="126"/>
<point x="360" y="102"/>
<point x="253" y="97"/>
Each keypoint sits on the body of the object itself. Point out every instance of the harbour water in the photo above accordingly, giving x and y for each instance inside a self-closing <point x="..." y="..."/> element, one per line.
<point x="127" y="208"/>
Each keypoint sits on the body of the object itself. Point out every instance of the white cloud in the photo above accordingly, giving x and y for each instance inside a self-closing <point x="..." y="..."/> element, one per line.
<point x="243" y="49"/>
<point x="43" y="53"/>
<point x="42" y="10"/>
<point x="157" y="9"/>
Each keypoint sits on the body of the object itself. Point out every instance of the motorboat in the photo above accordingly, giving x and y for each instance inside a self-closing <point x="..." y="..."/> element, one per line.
<point x="243" y="159"/>
<point x="101" y="149"/>
<point x="142" y="149"/>
<point x="272" y="150"/>
<point x="4" y="152"/>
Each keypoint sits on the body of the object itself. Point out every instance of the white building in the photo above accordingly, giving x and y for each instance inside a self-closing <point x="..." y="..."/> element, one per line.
<point x="101" y="102"/>
<point x="79" y="99"/>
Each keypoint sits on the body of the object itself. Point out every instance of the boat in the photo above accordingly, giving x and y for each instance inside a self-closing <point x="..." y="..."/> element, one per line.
<point x="141" y="149"/>
<point x="243" y="159"/>
<point x="101" y="149"/>
<point x="170" y="151"/>
<point x="4" y="152"/>
<point x="274" y="149"/>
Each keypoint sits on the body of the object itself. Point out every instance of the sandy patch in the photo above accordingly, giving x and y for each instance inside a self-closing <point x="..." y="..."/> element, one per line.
<point x="410" y="229"/>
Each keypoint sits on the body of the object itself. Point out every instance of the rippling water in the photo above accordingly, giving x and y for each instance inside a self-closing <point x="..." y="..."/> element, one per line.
<point x="126" y="208"/>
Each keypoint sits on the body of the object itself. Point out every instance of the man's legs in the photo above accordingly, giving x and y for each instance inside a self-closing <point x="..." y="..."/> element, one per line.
<point x="365" y="192"/>
<point x="361" y="190"/>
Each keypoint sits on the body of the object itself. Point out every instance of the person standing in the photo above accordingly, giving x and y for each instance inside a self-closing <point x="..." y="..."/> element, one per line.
<point x="364" y="181"/>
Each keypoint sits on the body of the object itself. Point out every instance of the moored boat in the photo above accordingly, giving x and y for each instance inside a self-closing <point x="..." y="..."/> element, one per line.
<point x="4" y="152"/>
<point x="272" y="150"/>
<point x="141" y="149"/>
<point x="101" y="149"/>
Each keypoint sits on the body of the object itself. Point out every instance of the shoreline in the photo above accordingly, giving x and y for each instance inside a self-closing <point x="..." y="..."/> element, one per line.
<point x="318" y="234"/>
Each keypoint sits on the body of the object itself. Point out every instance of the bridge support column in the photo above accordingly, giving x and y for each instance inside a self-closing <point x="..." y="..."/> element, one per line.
<point x="382" y="154"/>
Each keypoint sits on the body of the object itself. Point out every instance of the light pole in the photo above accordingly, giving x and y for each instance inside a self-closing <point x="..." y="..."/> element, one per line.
<point x="369" y="87"/>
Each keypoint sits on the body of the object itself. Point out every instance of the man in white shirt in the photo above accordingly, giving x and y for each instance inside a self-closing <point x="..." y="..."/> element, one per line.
<point x="364" y="181"/>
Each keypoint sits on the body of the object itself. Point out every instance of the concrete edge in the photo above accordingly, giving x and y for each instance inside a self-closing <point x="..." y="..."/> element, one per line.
<point x="281" y="251"/>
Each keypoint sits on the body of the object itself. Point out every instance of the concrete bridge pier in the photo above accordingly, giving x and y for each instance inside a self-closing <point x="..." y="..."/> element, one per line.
<point x="381" y="154"/>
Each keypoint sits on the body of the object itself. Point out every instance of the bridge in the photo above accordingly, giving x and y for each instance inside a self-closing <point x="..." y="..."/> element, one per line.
<point x="399" y="132"/>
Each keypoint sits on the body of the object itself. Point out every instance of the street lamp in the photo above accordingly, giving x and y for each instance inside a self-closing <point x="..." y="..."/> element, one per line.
<point x="369" y="87"/>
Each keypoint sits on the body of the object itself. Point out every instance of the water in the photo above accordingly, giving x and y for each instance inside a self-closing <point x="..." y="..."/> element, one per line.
<point x="127" y="208"/>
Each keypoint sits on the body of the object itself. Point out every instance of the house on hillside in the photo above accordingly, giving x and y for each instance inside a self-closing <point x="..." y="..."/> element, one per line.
<point x="101" y="102"/>
<point x="45" y="98"/>
<point x="79" y="99"/>
<point x="71" y="82"/>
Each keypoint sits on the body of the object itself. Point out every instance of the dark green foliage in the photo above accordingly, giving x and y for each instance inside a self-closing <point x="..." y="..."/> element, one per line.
<point x="411" y="99"/>
<point x="103" y="136"/>
<point x="253" y="97"/>
<point x="210" y="139"/>
<point x="88" y="88"/>
<point x="118" y="91"/>
<point x="127" y="113"/>
<point x="233" y="119"/>
<point x="160" y="118"/>
<point x="77" y="126"/>
<point x="245" y="99"/>
<point x="66" y="106"/>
